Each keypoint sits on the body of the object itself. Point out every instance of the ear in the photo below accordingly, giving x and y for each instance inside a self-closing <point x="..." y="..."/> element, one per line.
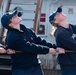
<point x="10" y="25"/>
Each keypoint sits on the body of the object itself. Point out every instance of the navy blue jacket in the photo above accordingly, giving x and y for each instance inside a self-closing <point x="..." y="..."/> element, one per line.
<point x="66" y="38"/>
<point x="26" y="41"/>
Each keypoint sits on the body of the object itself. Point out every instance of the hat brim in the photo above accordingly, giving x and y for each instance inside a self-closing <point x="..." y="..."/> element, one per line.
<point x="13" y="14"/>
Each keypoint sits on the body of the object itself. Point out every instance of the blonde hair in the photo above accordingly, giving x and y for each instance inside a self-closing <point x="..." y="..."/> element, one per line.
<point x="54" y="30"/>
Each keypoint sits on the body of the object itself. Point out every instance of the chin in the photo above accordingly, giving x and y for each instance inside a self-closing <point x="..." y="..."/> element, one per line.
<point x="19" y="21"/>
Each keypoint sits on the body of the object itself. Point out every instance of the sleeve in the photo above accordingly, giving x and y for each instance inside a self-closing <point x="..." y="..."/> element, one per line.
<point x="19" y="44"/>
<point x="1" y="45"/>
<point x="43" y="42"/>
<point x="67" y="41"/>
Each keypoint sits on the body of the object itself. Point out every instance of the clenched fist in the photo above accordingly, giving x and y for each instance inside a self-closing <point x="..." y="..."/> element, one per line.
<point x="60" y="50"/>
<point x="2" y="50"/>
<point x="10" y="51"/>
<point x="52" y="51"/>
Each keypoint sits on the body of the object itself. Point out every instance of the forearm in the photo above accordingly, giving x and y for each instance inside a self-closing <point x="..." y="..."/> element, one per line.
<point x="1" y="45"/>
<point x="43" y="41"/>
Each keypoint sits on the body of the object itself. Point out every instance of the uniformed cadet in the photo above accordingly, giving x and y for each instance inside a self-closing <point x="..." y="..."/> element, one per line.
<point x="65" y="38"/>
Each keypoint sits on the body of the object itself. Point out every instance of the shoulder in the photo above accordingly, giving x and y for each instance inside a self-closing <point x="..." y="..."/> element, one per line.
<point x="21" y="25"/>
<point x="61" y="31"/>
<point x="73" y="26"/>
<point x="13" y="34"/>
<point x="25" y="28"/>
<point x="30" y="31"/>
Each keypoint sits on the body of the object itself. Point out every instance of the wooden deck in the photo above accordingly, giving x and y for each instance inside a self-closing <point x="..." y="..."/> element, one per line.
<point x="51" y="72"/>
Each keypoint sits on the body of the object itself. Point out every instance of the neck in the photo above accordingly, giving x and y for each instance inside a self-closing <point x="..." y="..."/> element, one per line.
<point x="64" y="24"/>
<point x="17" y="27"/>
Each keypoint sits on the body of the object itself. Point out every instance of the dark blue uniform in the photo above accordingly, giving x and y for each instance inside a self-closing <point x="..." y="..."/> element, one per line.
<point x="25" y="40"/>
<point x="66" y="38"/>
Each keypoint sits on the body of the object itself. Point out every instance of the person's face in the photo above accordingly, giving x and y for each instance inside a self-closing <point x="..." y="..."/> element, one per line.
<point x="59" y="18"/>
<point x="16" y="20"/>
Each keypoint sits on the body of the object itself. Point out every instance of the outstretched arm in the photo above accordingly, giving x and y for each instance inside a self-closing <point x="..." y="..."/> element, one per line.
<point x="42" y="41"/>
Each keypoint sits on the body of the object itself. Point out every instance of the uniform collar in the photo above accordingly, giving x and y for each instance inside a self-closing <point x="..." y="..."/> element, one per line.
<point x="22" y="27"/>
